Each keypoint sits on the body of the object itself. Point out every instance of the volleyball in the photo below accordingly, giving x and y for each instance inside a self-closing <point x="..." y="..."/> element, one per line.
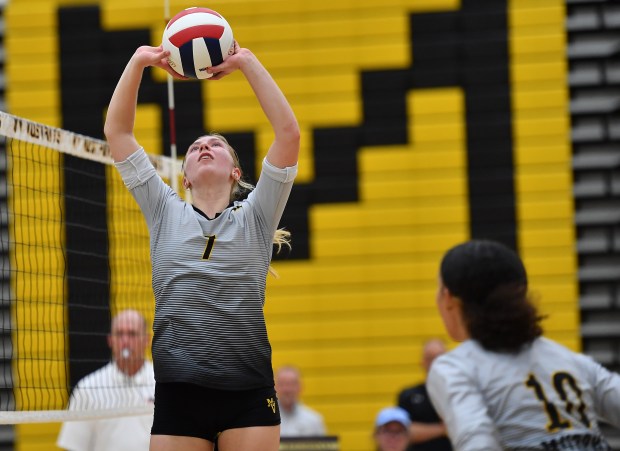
<point x="197" y="38"/>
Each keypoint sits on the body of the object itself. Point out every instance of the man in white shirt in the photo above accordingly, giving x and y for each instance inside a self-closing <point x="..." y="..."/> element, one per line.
<point x="298" y="420"/>
<point x="126" y="382"/>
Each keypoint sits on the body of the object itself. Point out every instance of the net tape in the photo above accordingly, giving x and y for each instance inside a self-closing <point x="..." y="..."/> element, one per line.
<point x="72" y="143"/>
<point x="48" y="416"/>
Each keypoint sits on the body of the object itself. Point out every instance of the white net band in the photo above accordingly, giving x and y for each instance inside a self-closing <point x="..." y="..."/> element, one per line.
<point x="53" y="416"/>
<point x="72" y="143"/>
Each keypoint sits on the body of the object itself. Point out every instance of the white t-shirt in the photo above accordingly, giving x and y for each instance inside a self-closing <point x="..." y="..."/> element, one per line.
<point x="544" y="397"/>
<point x="109" y="388"/>
<point x="301" y="422"/>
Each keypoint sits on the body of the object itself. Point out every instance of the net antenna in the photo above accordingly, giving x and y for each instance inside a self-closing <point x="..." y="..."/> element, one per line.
<point x="38" y="367"/>
<point x="171" y="109"/>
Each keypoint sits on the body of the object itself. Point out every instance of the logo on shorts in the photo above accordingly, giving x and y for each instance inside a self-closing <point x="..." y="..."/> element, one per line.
<point x="271" y="403"/>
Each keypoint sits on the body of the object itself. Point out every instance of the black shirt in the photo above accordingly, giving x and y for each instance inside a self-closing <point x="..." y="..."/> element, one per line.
<point x="415" y="400"/>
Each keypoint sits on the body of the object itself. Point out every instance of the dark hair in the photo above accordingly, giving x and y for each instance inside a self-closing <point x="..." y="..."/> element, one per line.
<point x="490" y="280"/>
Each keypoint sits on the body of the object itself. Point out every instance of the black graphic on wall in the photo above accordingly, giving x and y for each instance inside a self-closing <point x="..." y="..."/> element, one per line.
<point x="467" y="48"/>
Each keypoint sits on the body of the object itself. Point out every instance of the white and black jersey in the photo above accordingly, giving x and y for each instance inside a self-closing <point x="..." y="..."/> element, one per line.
<point x="209" y="278"/>
<point x="545" y="397"/>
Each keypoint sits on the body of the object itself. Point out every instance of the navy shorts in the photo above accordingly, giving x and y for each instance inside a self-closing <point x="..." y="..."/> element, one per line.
<point x="191" y="410"/>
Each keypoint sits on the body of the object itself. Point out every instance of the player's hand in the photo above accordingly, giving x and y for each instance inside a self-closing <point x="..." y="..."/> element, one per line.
<point x="147" y="56"/>
<point x="230" y="64"/>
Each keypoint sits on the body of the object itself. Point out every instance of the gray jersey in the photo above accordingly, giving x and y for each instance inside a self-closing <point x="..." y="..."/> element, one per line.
<point x="209" y="278"/>
<point x="543" y="398"/>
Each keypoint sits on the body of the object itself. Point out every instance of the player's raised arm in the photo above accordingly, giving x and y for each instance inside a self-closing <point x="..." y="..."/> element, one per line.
<point x="121" y="114"/>
<point x="284" y="150"/>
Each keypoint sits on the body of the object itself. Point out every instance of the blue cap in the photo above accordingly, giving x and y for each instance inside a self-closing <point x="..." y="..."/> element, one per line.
<point x="390" y="414"/>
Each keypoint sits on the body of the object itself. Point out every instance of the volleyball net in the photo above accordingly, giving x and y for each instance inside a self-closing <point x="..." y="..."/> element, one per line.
<point x="75" y="251"/>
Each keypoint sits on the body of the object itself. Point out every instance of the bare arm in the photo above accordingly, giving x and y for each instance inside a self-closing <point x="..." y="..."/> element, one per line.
<point x="422" y="432"/>
<point x="121" y="114"/>
<point x="284" y="150"/>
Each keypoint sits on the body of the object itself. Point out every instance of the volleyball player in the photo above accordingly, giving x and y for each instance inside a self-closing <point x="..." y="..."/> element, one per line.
<point x="210" y="260"/>
<point x="506" y="386"/>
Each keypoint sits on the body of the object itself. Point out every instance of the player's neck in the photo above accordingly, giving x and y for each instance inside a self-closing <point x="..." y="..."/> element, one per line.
<point x="211" y="202"/>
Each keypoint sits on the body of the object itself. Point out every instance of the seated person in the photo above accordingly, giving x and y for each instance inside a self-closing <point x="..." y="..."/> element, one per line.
<point x="392" y="429"/>
<point x="298" y="420"/>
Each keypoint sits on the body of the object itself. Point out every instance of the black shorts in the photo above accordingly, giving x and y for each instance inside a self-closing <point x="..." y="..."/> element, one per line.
<point x="191" y="410"/>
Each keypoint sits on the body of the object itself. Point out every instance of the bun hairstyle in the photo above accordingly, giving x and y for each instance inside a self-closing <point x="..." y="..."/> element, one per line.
<point x="491" y="282"/>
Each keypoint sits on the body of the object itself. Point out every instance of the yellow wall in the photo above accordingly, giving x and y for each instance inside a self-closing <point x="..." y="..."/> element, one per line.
<point x="543" y="159"/>
<point x="355" y="315"/>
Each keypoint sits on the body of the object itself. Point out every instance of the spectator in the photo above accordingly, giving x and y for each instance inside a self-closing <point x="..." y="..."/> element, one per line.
<point x="392" y="429"/>
<point x="428" y="432"/>
<point x="125" y="382"/>
<point x="298" y="420"/>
